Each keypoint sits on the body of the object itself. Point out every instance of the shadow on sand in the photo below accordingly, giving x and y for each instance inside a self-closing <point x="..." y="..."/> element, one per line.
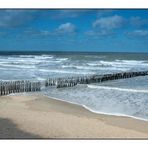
<point x="9" y="130"/>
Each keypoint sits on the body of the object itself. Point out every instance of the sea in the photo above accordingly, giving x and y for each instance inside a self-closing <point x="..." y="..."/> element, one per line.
<point x="124" y="97"/>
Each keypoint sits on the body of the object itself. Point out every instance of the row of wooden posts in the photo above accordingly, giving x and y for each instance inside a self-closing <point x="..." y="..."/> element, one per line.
<point x="72" y="81"/>
<point x="8" y="87"/>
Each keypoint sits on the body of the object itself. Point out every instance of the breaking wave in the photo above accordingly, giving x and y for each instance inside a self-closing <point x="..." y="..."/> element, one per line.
<point x="118" y="89"/>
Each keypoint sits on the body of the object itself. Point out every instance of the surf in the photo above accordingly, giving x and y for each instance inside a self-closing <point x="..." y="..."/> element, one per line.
<point x="116" y="88"/>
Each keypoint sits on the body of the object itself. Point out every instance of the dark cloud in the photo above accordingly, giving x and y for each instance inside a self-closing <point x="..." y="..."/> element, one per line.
<point x="104" y="12"/>
<point x="137" y="21"/>
<point x="69" y="13"/>
<point x="60" y="14"/>
<point x="15" y="18"/>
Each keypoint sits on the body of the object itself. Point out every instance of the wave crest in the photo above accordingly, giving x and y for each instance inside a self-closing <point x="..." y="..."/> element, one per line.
<point x="118" y="89"/>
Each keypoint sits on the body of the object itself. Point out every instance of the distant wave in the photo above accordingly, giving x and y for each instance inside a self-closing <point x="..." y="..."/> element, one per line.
<point x="18" y="66"/>
<point x="124" y="62"/>
<point x="62" y="59"/>
<point x="95" y="68"/>
<point x="119" y="89"/>
<point x="41" y="79"/>
<point x="26" y="56"/>
<point x="35" y="56"/>
<point x="80" y="67"/>
<point x="64" y="71"/>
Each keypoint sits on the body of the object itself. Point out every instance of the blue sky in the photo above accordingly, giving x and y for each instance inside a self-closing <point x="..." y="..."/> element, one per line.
<point x="74" y="30"/>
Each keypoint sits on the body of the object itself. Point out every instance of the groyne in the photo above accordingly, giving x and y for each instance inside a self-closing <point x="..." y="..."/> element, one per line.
<point x="72" y="81"/>
<point x="8" y="87"/>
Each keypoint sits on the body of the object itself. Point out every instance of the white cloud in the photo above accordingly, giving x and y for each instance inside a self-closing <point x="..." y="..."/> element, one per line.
<point x="139" y="33"/>
<point x="109" y="23"/>
<point x="66" y="28"/>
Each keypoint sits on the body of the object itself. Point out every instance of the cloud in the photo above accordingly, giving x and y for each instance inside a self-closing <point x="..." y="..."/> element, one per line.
<point x="32" y="32"/>
<point x="105" y="26"/>
<point x="69" y="13"/>
<point x="104" y="12"/>
<point x="60" y="14"/>
<point x="99" y="33"/>
<point x="109" y="23"/>
<point x="138" y="21"/>
<point x="63" y="29"/>
<point x="138" y="33"/>
<point x="66" y="28"/>
<point x="14" y="18"/>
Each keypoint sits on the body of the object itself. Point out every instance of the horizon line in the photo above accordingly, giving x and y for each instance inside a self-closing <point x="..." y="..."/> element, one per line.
<point x="11" y="51"/>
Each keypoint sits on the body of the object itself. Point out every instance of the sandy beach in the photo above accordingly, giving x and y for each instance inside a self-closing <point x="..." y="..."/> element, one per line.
<point x="37" y="116"/>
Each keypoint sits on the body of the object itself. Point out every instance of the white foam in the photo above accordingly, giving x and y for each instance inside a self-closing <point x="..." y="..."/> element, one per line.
<point x="113" y="114"/>
<point x="95" y="68"/>
<point x="119" y="89"/>
<point x="124" y="63"/>
<point x="62" y="59"/>
<point x="26" y="56"/>
<point x="40" y="79"/>
<point x="18" y="66"/>
<point x="86" y="67"/>
<point x="93" y="64"/>
<point x="64" y="71"/>
<point x="98" y="112"/>
<point x="43" y="57"/>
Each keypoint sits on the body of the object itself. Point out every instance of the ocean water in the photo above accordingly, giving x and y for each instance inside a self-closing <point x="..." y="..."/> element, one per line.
<point x="128" y="97"/>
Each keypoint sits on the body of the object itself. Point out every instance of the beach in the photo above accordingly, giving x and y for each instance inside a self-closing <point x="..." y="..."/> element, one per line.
<point x="38" y="116"/>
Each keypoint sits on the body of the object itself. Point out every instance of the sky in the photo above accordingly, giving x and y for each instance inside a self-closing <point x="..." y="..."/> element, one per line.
<point x="74" y="30"/>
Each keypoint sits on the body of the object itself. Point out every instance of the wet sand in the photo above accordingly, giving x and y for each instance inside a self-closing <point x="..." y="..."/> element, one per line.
<point x="37" y="116"/>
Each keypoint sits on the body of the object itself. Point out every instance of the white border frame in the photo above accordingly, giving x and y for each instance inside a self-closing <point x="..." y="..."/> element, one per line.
<point x="73" y="3"/>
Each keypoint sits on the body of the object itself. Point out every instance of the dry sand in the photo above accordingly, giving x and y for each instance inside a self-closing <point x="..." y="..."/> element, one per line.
<point x="36" y="116"/>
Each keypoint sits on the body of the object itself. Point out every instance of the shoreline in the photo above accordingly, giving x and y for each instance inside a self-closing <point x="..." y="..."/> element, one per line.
<point x="97" y="112"/>
<point x="38" y="116"/>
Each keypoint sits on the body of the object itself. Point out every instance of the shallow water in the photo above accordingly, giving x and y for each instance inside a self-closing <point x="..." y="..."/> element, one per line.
<point x="109" y="99"/>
